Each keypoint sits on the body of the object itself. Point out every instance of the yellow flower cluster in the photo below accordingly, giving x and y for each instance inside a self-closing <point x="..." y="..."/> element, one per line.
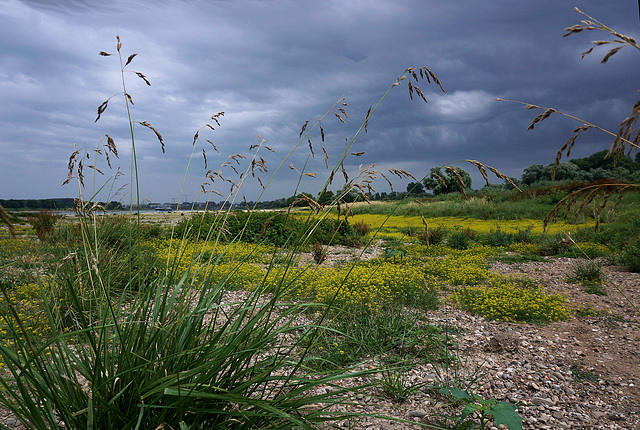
<point x="457" y="267"/>
<point x="245" y="266"/>
<point x="363" y="284"/>
<point x="514" y="299"/>
<point x="592" y="250"/>
<point x="214" y="262"/>
<point x="11" y="248"/>
<point x="391" y="224"/>
<point x="524" y="248"/>
<point x="26" y="300"/>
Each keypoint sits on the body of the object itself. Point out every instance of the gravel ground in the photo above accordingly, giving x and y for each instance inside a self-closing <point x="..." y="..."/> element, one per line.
<point x="577" y="374"/>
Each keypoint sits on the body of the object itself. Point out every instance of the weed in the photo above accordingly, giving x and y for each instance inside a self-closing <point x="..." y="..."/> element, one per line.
<point x="44" y="224"/>
<point x="318" y="253"/>
<point x="396" y="383"/>
<point x="458" y="240"/>
<point x="590" y="275"/>
<point x="390" y="331"/>
<point x="433" y="236"/>
<point x="497" y="238"/>
<point x="582" y="375"/>
<point x="483" y="411"/>
<point x="361" y="228"/>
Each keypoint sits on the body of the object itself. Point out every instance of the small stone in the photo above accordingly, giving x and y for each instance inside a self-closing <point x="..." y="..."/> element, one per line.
<point x="541" y="401"/>
<point x="417" y="413"/>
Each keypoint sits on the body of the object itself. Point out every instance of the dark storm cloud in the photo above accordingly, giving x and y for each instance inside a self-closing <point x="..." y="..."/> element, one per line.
<point x="272" y="65"/>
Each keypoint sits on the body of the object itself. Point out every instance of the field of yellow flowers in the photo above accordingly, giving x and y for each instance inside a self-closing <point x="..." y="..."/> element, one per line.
<point x="410" y="272"/>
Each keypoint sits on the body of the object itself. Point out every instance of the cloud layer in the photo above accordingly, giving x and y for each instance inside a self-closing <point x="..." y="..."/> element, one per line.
<point x="272" y="65"/>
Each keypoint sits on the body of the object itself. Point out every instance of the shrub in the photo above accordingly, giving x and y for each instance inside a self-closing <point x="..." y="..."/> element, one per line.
<point x="497" y="238"/>
<point x="361" y="228"/>
<point x="318" y="253"/>
<point x="630" y="256"/>
<point x="458" y="240"/>
<point x="44" y="224"/>
<point x="433" y="236"/>
<point x="524" y="236"/>
<point x="554" y="245"/>
<point x="275" y="228"/>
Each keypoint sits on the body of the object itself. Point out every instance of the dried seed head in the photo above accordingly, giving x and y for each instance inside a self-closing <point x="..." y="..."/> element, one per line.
<point x="143" y="77"/>
<point x="304" y="127"/>
<point x="158" y="135"/>
<point x="131" y="57"/>
<point x="101" y="109"/>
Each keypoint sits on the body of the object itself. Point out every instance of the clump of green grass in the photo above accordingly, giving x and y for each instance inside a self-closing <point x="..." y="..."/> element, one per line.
<point x="396" y="383"/>
<point x="630" y="256"/>
<point x="361" y="228"/>
<point x="513" y="299"/>
<point x="458" y="240"/>
<point x="390" y="331"/>
<point x="588" y="274"/>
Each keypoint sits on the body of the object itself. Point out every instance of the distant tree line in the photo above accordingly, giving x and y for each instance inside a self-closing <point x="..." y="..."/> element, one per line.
<point x="439" y="181"/>
<point x="49" y="204"/>
<point x="589" y="169"/>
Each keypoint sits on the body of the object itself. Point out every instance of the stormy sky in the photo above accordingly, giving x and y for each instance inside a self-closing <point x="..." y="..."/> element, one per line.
<point x="271" y="65"/>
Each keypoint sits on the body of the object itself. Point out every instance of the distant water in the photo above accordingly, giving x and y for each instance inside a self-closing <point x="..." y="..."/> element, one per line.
<point x="125" y="212"/>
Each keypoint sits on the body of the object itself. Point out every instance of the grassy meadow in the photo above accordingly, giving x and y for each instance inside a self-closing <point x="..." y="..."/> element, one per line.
<point x="77" y="285"/>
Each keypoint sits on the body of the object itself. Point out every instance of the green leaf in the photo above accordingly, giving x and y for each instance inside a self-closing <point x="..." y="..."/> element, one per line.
<point x="455" y="392"/>
<point x="505" y="413"/>
<point x="470" y="409"/>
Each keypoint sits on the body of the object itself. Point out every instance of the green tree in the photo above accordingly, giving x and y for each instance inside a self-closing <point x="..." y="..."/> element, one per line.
<point x="347" y="196"/>
<point x="532" y="174"/>
<point x="447" y="182"/>
<point x="326" y="197"/>
<point x="415" y="188"/>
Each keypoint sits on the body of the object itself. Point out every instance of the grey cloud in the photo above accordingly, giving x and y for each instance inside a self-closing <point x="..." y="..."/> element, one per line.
<point x="272" y="65"/>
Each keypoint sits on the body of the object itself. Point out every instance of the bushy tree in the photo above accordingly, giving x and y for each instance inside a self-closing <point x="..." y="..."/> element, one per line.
<point x="415" y="188"/>
<point x="532" y="174"/>
<point x="447" y="182"/>
<point x="326" y="197"/>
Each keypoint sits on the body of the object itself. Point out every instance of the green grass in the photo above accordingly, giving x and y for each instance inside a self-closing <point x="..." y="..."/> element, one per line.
<point x="590" y="275"/>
